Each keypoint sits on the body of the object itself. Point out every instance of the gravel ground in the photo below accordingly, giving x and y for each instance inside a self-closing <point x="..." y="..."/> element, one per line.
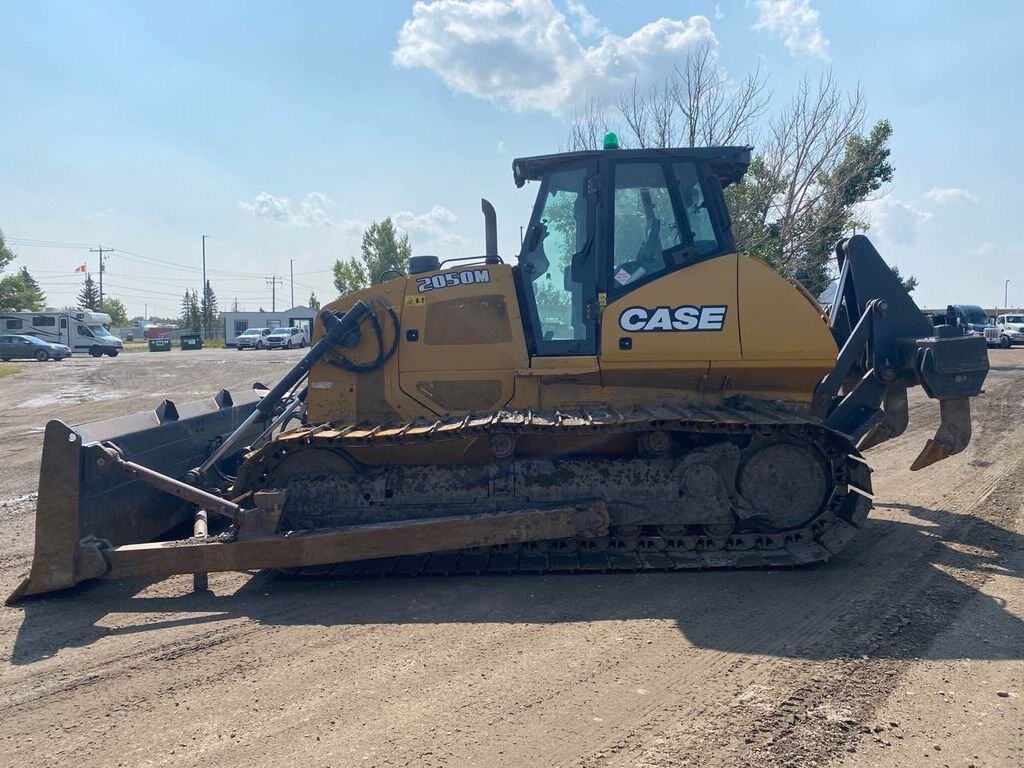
<point x="905" y="650"/>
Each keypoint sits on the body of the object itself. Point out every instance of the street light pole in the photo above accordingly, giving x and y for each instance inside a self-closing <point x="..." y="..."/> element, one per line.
<point x="1006" y="293"/>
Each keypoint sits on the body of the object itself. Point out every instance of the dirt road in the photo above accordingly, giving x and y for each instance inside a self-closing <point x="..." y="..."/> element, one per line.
<point x="906" y="650"/>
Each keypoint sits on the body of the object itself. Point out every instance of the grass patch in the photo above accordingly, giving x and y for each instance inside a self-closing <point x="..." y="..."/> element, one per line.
<point x="6" y="369"/>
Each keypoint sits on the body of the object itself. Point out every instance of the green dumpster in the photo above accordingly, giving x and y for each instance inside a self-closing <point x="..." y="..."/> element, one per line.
<point x="192" y="341"/>
<point x="160" y="345"/>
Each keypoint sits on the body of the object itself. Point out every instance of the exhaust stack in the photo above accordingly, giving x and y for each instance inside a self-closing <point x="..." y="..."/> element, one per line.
<point x="490" y="233"/>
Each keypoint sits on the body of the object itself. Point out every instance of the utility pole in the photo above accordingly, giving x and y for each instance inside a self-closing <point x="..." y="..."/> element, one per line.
<point x="1006" y="293"/>
<point x="101" y="250"/>
<point x="273" y="282"/>
<point x="203" y="304"/>
<point x="291" y="278"/>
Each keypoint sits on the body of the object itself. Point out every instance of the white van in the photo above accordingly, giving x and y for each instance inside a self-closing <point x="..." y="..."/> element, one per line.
<point x="81" y="331"/>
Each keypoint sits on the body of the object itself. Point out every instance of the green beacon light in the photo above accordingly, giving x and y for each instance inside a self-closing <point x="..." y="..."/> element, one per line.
<point x="611" y="141"/>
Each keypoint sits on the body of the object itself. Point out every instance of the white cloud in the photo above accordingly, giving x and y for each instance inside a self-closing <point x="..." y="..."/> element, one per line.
<point x="502" y="149"/>
<point x="893" y="221"/>
<point x="719" y="14"/>
<point x="311" y="212"/>
<point x="586" y="22"/>
<point x="795" y="23"/>
<point x="525" y="54"/>
<point x="950" y="195"/>
<point x="433" y="224"/>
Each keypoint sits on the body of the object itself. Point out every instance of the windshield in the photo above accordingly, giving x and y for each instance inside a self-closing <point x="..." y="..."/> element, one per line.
<point x="34" y="340"/>
<point x="253" y="332"/>
<point x="281" y="332"/>
<point x="976" y="316"/>
<point x="99" y="330"/>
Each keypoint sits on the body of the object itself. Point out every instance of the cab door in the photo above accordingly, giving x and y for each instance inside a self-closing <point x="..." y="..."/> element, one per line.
<point x="672" y="279"/>
<point x="558" y="266"/>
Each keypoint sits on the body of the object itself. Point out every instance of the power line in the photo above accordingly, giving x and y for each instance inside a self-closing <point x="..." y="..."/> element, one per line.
<point x="273" y="282"/>
<point x="100" y="249"/>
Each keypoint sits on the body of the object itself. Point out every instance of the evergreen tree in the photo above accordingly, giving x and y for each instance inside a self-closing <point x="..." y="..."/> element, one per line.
<point x="314" y="302"/>
<point x="35" y="295"/>
<point x="208" y="308"/>
<point x="195" y="314"/>
<point x="89" y="297"/>
<point x="186" y="310"/>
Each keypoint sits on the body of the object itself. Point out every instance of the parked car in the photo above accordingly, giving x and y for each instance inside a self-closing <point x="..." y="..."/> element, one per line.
<point x="287" y="338"/>
<point x="253" y="338"/>
<point x="29" y="347"/>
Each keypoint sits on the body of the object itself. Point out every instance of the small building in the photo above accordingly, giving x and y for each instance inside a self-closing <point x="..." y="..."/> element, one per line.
<point x="236" y="323"/>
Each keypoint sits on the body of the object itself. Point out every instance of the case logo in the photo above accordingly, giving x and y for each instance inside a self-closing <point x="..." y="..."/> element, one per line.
<point x="685" y="318"/>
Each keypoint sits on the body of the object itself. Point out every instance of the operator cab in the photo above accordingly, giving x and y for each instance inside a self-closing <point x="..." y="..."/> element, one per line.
<point x="606" y="222"/>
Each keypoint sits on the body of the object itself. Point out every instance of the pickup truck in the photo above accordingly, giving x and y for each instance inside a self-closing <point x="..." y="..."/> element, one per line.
<point x="1011" y="330"/>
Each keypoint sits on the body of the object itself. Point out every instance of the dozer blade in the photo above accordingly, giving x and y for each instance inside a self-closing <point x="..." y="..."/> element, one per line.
<point x="77" y="502"/>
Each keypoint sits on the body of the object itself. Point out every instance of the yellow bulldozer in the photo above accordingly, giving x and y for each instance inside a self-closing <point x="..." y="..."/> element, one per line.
<point x="631" y="394"/>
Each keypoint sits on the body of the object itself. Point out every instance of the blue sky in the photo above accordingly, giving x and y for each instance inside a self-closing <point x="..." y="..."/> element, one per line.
<point x="280" y="131"/>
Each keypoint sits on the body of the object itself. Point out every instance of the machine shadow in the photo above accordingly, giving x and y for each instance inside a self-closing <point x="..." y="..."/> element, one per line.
<point x="871" y="609"/>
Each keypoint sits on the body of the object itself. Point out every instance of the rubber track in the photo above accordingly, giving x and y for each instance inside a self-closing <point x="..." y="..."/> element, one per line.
<point x="824" y="536"/>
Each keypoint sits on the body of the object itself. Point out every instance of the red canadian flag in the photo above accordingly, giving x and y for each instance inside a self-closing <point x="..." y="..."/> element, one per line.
<point x="80" y="269"/>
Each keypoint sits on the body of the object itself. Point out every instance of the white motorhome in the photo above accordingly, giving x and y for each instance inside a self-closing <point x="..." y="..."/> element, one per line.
<point x="81" y="331"/>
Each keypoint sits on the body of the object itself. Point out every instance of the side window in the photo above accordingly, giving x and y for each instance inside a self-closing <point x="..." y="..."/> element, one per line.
<point x="646" y="231"/>
<point x="558" y="258"/>
<point x="14" y="325"/>
<point x="44" y="322"/>
<point x="691" y="194"/>
<point x="84" y="332"/>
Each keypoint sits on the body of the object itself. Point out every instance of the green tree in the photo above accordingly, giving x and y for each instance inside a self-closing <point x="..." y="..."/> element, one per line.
<point x="909" y="282"/>
<point x="208" y="308"/>
<point x="89" y="296"/>
<point x="115" y="308"/>
<point x="381" y="250"/>
<point x="349" y="276"/>
<point x="314" y="302"/>
<point x="21" y="291"/>
<point x="191" y="315"/>
<point x="195" y="315"/>
<point x="6" y="254"/>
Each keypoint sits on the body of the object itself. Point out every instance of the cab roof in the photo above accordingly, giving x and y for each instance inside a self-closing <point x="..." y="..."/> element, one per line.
<point x="727" y="163"/>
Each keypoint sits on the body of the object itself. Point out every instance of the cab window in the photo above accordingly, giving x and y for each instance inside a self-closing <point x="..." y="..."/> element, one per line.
<point x="646" y="231"/>
<point x="695" y="209"/>
<point x="84" y="332"/>
<point x="557" y="264"/>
